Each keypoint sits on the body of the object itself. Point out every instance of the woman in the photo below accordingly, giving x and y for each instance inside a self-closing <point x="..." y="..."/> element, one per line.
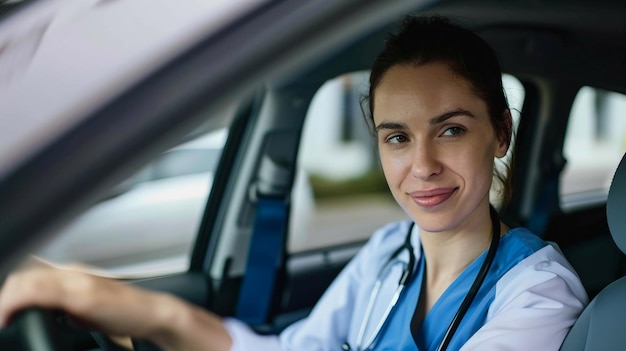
<point x="467" y="281"/>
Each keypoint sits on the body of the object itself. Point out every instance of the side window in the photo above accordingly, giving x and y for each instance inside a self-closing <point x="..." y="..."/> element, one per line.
<point x="594" y="144"/>
<point x="200" y="155"/>
<point x="147" y="224"/>
<point x="340" y="195"/>
<point x="515" y="94"/>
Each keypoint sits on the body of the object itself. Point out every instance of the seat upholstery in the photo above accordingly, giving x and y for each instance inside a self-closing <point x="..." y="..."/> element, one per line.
<point x="602" y="325"/>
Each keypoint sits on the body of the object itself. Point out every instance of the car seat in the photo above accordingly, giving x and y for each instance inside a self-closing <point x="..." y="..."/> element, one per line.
<point x="602" y="325"/>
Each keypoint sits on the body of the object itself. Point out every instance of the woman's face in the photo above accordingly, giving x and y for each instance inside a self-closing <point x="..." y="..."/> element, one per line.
<point x="437" y="145"/>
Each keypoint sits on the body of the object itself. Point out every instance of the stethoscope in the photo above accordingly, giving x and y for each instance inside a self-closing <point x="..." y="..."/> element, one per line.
<point x="407" y="273"/>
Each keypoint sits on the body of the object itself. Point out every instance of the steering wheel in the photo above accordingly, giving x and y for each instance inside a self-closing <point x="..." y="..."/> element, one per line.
<point x="33" y="329"/>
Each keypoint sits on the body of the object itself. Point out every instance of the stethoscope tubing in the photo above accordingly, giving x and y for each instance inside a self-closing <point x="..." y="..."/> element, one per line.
<point x="478" y="281"/>
<point x="381" y="322"/>
<point x="407" y="273"/>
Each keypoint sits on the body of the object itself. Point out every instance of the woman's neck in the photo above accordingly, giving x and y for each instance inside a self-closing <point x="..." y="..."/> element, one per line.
<point x="447" y="255"/>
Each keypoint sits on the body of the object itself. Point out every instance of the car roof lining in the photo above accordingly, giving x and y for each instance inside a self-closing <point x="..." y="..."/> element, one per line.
<point x="531" y="39"/>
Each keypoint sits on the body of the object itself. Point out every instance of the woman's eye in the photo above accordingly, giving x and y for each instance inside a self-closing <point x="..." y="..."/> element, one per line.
<point x="453" y="131"/>
<point x="396" y="139"/>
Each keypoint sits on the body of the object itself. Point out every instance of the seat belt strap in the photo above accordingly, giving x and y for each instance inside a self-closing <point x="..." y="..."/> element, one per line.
<point x="543" y="209"/>
<point x="264" y="255"/>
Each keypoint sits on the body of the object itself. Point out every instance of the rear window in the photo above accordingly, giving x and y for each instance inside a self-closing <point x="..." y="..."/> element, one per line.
<point x="594" y="144"/>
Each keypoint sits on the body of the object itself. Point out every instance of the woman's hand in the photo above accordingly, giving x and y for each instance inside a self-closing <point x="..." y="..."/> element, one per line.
<point x="114" y="308"/>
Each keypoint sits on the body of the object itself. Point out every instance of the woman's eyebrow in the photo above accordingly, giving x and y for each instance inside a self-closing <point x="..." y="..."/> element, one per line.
<point x="392" y="126"/>
<point x="433" y="121"/>
<point x="443" y="117"/>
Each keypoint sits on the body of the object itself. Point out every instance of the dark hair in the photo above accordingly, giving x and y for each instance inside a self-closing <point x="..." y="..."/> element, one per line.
<point x="423" y="40"/>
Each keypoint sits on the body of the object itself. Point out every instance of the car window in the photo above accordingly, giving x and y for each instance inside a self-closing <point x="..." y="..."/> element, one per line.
<point x="340" y="194"/>
<point x="147" y="224"/>
<point x="595" y="141"/>
<point x="200" y="155"/>
<point x="185" y="162"/>
<point x="515" y="95"/>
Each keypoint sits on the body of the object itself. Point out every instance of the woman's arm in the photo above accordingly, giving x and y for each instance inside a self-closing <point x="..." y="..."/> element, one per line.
<point x="118" y="309"/>
<point x="535" y="306"/>
<point x="114" y="308"/>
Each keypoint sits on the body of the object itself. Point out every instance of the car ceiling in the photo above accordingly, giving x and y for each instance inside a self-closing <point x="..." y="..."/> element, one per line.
<point x="572" y="40"/>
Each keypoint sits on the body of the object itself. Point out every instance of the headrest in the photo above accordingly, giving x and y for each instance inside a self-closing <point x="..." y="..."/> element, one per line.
<point x="616" y="206"/>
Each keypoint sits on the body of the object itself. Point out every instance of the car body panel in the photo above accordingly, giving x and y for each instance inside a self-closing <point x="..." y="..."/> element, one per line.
<point x="68" y="58"/>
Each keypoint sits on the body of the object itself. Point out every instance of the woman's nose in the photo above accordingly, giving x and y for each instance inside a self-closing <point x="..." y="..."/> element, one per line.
<point x="426" y="162"/>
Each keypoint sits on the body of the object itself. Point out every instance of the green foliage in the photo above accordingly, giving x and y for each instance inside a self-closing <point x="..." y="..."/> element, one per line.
<point x="372" y="182"/>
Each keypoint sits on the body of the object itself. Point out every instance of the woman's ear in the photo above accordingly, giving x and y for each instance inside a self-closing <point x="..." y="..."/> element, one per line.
<point x="505" y="134"/>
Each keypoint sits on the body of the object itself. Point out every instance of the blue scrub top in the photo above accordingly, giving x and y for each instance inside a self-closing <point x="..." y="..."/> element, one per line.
<point x="516" y="245"/>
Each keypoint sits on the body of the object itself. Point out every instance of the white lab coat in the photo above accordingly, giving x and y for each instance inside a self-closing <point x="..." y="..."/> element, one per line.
<point x="532" y="304"/>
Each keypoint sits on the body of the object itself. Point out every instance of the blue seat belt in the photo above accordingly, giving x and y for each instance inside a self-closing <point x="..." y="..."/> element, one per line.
<point x="543" y="209"/>
<point x="264" y="256"/>
<point x="545" y="204"/>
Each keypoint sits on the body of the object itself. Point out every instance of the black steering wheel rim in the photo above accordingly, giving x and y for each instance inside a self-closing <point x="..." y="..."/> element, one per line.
<point x="33" y="329"/>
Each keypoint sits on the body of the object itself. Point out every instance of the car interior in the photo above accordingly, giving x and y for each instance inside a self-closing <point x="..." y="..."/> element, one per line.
<point x="599" y="326"/>
<point x="561" y="52"/>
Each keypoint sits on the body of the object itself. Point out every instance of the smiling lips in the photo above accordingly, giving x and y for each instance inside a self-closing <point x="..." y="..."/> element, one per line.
<point x="433" y="197"/>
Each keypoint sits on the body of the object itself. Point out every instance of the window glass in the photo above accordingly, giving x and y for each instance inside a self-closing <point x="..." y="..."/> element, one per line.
<point x="340" y="194"/>
<point x="147" y="224"/>
<point x="594" y="144"/>
<point x="178" y="163"/>
<point x="515" y="94"/>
